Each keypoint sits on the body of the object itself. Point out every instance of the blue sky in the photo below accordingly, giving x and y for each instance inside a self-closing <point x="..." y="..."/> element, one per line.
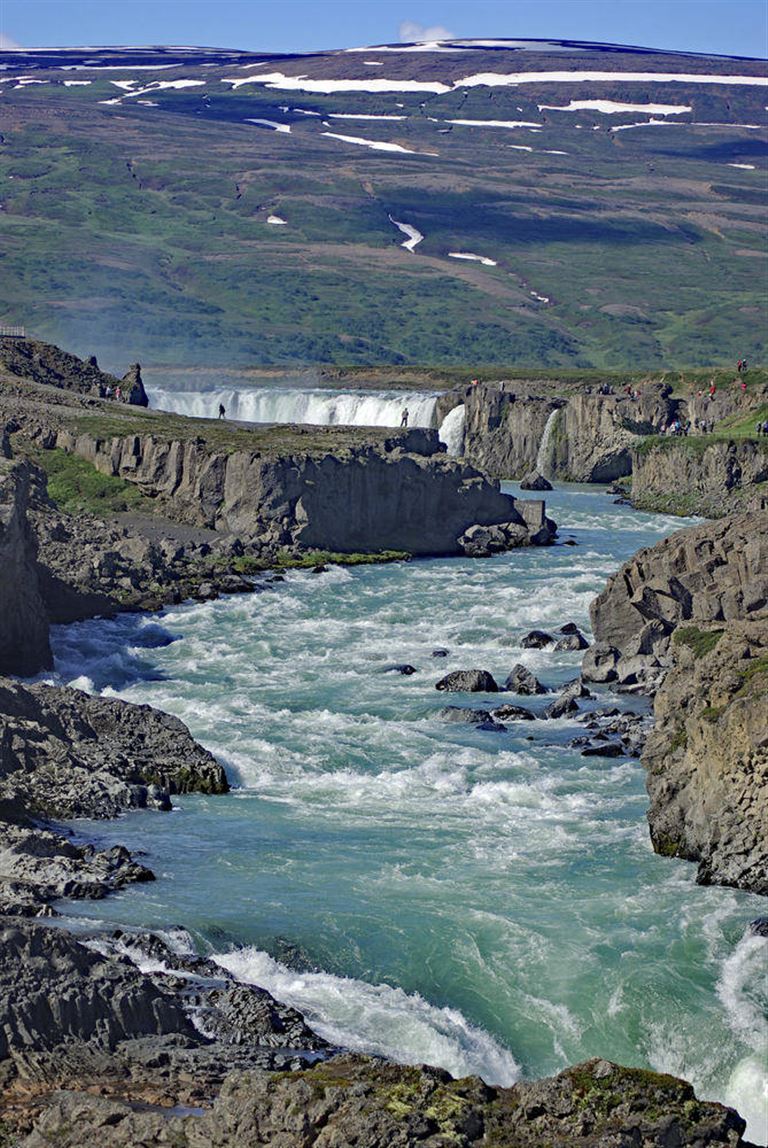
<point x="738" y="27"/>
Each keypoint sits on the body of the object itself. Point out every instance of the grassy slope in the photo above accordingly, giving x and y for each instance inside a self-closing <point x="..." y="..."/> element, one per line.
<point x="142" y="228"/>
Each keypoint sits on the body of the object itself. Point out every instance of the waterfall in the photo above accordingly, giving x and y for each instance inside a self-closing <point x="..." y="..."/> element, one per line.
<point x="323" y="407"/>
<point x="452" y="431"/>
<point x="542" y="456"/>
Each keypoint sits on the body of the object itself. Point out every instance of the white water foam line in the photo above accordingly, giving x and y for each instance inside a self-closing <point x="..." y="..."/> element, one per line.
<point x="543" y="454"/>
<point x="451" y="431"/>
<point x="314" y="406"/>
<point x="414" y="235"/>
<point x="378" y="1019"/>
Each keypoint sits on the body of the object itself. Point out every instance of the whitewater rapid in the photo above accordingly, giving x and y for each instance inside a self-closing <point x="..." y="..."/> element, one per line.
<point x="488" y="902"/>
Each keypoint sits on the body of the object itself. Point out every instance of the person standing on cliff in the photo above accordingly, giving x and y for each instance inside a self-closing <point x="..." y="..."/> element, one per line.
<point x="222" y="410"/>
<point x="404" y="419"/>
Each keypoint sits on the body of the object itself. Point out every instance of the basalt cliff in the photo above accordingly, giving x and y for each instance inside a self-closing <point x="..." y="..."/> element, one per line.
<point x="687" y="621"/>
<point x="577" y="431"/>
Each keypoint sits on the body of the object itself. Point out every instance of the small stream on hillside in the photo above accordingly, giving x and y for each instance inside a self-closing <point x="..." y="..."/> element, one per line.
<point x="480" y="900"/>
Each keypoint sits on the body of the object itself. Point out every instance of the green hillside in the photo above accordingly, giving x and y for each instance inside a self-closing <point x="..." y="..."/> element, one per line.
<point x="137" y="217"/>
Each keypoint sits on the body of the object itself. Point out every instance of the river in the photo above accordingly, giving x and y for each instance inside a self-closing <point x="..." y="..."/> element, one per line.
<point x="484" y="901"/>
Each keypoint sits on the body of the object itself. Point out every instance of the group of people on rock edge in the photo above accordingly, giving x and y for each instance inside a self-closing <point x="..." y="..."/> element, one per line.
<point x="106" y="392"/>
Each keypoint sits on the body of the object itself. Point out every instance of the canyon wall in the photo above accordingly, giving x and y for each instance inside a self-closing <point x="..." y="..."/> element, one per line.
<point x="24" y="645"/>
<point x="589" y="440"/>
<point x="687" y="620"/>
<point x="400" y="494"/>
<point x="697" y="476"/>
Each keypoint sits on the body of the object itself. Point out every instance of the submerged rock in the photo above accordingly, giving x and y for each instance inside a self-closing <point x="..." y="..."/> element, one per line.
<point x="464" y="714"/>
<point x="509" y="712"/>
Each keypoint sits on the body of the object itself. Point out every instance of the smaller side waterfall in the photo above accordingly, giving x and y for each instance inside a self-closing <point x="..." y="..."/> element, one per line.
<point x="544" y="453"/>
<point x="451" y="431"/>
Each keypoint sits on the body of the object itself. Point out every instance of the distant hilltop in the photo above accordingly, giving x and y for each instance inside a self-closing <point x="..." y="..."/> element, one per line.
<point x="547" y="203"/>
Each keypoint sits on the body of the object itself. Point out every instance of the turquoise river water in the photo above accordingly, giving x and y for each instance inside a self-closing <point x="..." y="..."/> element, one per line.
<point x="488" y="902"/>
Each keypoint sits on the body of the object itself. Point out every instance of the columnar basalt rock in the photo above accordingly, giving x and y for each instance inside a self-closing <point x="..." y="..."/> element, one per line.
<point x="687" y="620"/>
<point x="24" y="642"/>
<point x="590" y="440"/>
<point x="707" y="756"/>
<point x="403" y="494"/>
<point x="696" y="476"/>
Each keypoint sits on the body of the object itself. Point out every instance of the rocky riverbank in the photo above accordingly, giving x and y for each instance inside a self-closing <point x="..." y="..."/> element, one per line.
<point x="687" y="621"/>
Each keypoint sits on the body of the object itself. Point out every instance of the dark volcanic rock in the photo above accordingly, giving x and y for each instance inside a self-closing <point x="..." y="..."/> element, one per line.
<point x="468" y="681"/>
<point x="536" y="640"/>
<point x="572" y="640"/>
<point x="606" y="749"/>
<point x="24" y="644"/>
<point x="535" y="481"/>
<point x="462" y="714"/>
<point x="400" y="668"/>
<point x="132" y="387"/>
<point x="522" y="681"/>
<point x="54" y="991"/>
<point x="354" y="1100"/>
<point x="562" y="707"/>
<point x="66" y="754"/>
<point x="509" y="712"/>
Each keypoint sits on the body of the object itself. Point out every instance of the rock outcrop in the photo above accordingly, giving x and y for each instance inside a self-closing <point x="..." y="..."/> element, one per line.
<point x="354" y="1100"/>
<point x="687" y="619"/>
<point x="64" y="753"/>
<point x="710" y="573"/>
<point x="401" y="495"/>
<point x="707" y="756"/>
<point x="24" y="642"/>
<point x="589" y="439"/>
<point x="50" y="365"/>
<point x="700" y="476"/>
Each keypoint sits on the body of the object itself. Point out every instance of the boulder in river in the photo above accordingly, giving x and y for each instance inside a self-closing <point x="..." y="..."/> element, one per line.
<point x="400" y="668"/>
<point x="536" y="640"/>
<point x="573" y="640"/>
<point x="509" y="712"/>
<point x="468" y="681"/>
<point x="605" y="749"/>
<point x="561" y="707"/>
<point x="522" y="681"/>
<point x="535" y="481"/>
